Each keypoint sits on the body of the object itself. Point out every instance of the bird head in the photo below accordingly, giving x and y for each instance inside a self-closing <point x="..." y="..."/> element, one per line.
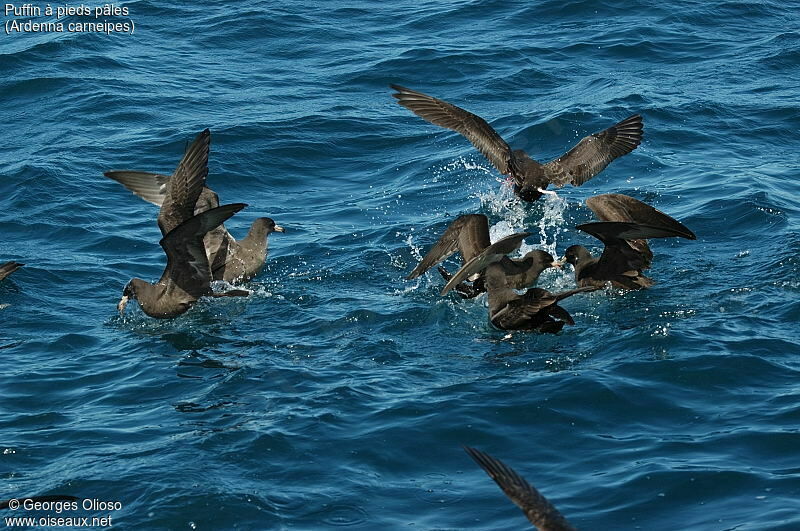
<point x="575" y="254"/>
<point x="128" y="293"/>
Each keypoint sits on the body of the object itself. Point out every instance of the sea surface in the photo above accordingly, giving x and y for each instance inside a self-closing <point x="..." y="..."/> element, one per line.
<point x="338" y="395"/>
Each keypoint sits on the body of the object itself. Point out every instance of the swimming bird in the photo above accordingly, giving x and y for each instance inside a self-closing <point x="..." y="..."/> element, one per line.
<point x="230" y="260"/>
<point x="585" y="160"/>
<point x="469" y="235"/>
<point x="538" y="509"/>
<point x="8" y="268"/>
<point x="535" y="310"/>
<point x="187" y="275"/>
<point x="626" y="226"/>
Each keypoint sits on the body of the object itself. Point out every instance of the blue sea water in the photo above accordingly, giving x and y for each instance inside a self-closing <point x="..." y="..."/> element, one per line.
<point x="339" y="394"/>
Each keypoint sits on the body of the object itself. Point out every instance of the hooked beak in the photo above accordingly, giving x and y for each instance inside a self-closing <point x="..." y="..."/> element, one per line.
<point x="123" y="302"/>
<point x="278" y="228"/>
<point x="559" y="263"/>
<point x="543" y="191"/>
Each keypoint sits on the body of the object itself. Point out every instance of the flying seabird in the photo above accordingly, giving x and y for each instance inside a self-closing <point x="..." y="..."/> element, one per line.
<point x="187" y="275"/>
<point x="8" y="268"/>
<point x="585" y="160"/>
<point x="626" y="225"/>
<point x="230" y="260"/>
<point x="469" y="235"/>
<point x="538" y="509"/>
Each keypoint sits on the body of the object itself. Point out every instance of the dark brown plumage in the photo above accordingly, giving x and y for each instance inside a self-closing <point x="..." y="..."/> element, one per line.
<point x="230" y="260"/>
<point x="496" y="253"/>
<point x="620" y="207"/>
<point x="535" y="310"/>
<point x="585" y="160"/>
<point x="627" y="225"/>
<point x="8" y="268"/>
<point x="187" y="276"/>
<point x="538" y="509"/>
<point x="469" y="235"/>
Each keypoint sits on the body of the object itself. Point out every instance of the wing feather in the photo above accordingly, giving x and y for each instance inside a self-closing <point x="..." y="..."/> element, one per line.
<point x="472" y="126"/>
<point x="490" y="255"/>
<point x="538" y="509"/>
<point x="593" y="153"/>
<point x="185" y="185"/>
<point x="468" y="234"/>
<point x="152" y="187"/>
<point x="187" y="263"/>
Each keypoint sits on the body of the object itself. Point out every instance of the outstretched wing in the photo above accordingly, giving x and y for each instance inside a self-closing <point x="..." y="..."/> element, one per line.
<point x="618" y="255"/>
<point x="490" y="255"/>
<point x="187" y="264"/>
<point x="185" y="185"/>
<point x="592" y="154"/>
<point x="620" y="207"/>
<point x="152" y="187"/>
<point x="473" y="127"/>
<point x="468" y="234"/>
<point x="540" y="512"/>
<point x="609" y="231"/>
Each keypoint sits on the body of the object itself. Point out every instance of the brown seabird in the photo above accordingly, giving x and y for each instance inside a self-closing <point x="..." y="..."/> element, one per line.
<point x="585" y="160"/>
<point x="469" y="235"/>
<point x="626" y="226"/>
<point x="538" y="509"/>
<point x="230" y="260"/>
<point x="535" y="310"/>
<point x="187" y="276"/>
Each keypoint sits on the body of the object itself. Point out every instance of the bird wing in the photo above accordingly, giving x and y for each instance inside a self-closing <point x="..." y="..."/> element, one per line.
<point x="217" y="241"/>
<point x="618" y="256"/>
<point x="540" y="512"/>
<point x="560" y="296"/>
<point x="468" y="234"/>
<point x="185" y="185"/>
<point x="473" y="127"/>
<point x="607" y="231"/>
<point x="152" y="187"/>
<point x="187" y="264"/>
<point x="490" y="255"/>
<point x="8" y="268"/>
<point x="620" y="207"/>
<point x="593" y="153"/>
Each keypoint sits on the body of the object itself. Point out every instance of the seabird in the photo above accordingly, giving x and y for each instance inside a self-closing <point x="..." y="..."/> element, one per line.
<point x="469" y="235"/>
<point x="230" y="260"/>
<point x="585" y="160"/>
<point x="535" y="310"/>
<point x="8" y="268"/>
<point x="626" y="225"/>
<point x="187" y="276"/>
<point x="540" y="512"/>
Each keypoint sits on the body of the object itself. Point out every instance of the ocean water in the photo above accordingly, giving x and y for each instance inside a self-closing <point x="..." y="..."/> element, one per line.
<point x="338" y="395"/>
